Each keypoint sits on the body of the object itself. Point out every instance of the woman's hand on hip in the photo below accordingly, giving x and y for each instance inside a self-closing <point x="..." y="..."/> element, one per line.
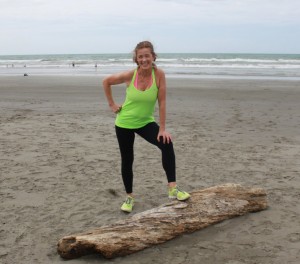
<point x="115" y="108"/>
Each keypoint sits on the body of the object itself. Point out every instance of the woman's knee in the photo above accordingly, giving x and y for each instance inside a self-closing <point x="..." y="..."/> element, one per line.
<point x="167" y="147"/>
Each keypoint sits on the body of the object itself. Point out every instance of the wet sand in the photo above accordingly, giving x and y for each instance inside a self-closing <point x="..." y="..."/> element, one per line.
<point x="60" y="166"/>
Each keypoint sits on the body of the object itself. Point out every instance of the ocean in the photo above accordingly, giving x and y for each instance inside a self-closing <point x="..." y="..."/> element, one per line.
<point x="189" y="65"/>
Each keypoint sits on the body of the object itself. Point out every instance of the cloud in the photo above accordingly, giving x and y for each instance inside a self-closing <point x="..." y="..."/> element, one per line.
<point x="232" y="11"/>
<point x="228" y="11"/>
<point x="117" y="21"/>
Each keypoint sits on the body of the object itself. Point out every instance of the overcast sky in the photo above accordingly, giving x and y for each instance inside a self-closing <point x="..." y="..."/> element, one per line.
<point x="115" y="26"/>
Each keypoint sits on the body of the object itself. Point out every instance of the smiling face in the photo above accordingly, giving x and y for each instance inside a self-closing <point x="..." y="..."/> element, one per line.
<point x="144" y="51"/>
<point x="144" y="58"/>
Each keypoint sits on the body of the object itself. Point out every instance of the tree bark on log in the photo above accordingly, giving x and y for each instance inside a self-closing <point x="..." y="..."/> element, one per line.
<point x="160" y="224"/>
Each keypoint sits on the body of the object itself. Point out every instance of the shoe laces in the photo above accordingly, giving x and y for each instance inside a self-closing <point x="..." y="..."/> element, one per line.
<point x="178" y="190"/>
<point x="129" y="200"/>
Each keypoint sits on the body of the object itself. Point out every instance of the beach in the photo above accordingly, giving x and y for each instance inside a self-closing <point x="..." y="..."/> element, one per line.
<point x="60" y="166"/>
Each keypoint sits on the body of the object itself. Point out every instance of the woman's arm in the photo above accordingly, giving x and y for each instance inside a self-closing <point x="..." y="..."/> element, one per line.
<point x="123" y="77"/>
<point x="162" y="107"/>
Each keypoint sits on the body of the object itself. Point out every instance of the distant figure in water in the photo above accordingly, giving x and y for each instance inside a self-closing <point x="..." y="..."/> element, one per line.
<point x="73" y="64"/>
<point x="25" y="74"/>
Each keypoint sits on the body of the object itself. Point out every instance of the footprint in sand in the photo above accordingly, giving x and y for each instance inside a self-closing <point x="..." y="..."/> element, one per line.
<point x="294" y="237"/>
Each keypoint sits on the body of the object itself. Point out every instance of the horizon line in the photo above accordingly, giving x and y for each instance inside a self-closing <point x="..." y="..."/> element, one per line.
<point x="123" y="53"/>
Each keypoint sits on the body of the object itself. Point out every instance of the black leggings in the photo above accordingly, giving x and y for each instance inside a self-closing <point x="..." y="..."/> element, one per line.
<point x="149" y="132"/>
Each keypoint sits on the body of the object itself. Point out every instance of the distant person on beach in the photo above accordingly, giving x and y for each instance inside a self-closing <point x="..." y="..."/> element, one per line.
<point x="145" y="85"/>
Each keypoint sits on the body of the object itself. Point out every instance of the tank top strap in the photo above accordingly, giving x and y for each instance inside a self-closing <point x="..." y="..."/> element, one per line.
<point x="133" y="77"/>
<point x="153" y="76"/>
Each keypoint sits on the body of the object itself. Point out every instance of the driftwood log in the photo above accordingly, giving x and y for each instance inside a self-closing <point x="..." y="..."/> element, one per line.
<point x="158" y="225"/>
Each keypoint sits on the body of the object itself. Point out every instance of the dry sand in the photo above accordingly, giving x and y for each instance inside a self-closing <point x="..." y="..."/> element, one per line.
<point x="60" y="167"/>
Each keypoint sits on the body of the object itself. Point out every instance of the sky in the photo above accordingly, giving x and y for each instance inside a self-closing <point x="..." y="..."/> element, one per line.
<point x="116" y="26"/>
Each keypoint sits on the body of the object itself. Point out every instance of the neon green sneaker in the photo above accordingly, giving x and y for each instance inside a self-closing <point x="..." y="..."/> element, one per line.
<point x="128" y="205"/>
<point x="175" y="192"/>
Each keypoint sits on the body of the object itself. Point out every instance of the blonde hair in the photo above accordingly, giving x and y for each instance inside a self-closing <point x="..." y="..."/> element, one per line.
<point x="141" y="45"/>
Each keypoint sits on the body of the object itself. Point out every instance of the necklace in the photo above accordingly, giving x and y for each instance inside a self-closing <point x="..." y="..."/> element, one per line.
<point x="143" y="82"/>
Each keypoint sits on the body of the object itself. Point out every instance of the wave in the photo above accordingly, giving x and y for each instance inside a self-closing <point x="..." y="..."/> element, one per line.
<point x="189" y="64"/>
<point x="256" y="66"/>
<point x="237" y="60"/>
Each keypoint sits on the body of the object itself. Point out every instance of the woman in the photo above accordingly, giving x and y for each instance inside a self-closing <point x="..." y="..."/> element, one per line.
<point x="145" y="85"/>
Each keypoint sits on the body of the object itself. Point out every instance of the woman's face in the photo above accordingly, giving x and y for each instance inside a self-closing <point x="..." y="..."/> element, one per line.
<point x="144" y="58"/>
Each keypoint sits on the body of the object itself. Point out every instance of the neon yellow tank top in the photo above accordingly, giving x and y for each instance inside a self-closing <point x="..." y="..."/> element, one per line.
<point x="138" y="108"/>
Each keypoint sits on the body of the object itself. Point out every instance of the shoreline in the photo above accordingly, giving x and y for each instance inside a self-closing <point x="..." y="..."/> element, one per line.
<point x="60" y="162"/>
<point x="168" y="75"/>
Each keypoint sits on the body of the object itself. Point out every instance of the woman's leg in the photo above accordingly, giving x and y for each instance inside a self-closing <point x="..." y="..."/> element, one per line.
<point x="126" y="141"/>
<point x="149" y="133"/>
